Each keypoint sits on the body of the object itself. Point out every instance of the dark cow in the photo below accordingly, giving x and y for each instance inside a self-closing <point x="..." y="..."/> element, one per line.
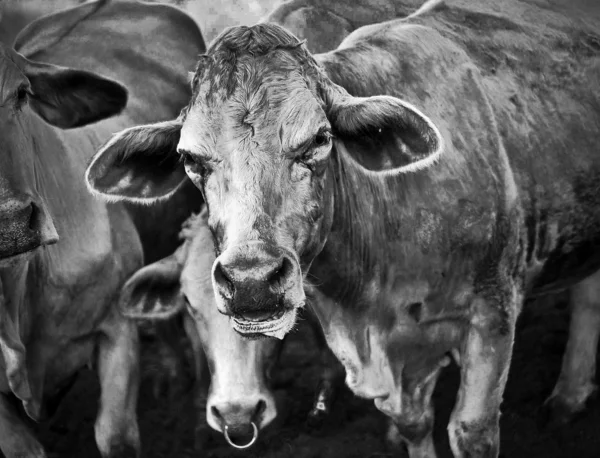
<point x="415" y="236"/>
<point x="57" y="300"/>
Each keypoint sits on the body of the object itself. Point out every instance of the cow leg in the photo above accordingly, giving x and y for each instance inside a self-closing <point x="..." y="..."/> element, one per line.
<point x="412" y="423"/>
<point x="575" y="384"/>
<point x="332" y="377"/>
<point x="395" y="439"/>
<point x="485" y="359"/>
<point x="116" y="426"/>
<point x="16" y="440"/>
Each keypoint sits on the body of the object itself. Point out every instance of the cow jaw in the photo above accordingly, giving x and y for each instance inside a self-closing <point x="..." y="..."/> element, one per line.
<point x="277" y="325"/>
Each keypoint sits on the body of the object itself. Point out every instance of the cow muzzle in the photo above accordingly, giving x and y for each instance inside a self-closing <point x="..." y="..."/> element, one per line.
<point x="260" y="287"/>
<point x="241" y="422"/>
<point x="24" y="226"/>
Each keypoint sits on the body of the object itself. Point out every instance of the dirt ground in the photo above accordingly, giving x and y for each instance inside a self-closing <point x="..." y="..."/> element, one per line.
<point x="355" y="428"/>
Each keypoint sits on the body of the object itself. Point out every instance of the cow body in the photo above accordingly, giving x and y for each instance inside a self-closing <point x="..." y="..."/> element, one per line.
<point x="324" y="24"/>
<point x="58" y="302"/>
<point x="414" y="235"/>
<point x="470" y="242"/>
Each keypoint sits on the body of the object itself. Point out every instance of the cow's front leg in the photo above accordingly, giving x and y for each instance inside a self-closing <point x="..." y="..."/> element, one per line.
<point x="16" y="440"/>
<point x="116" y="426"/>
<point x="575" y="385"/>
<point x="412" y="415"/>
<point x="485" y="359"/>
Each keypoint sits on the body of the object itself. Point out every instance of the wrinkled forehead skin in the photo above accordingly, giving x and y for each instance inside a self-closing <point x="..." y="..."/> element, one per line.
<point x="252" y="85"/>
<point x="256" y="98"/>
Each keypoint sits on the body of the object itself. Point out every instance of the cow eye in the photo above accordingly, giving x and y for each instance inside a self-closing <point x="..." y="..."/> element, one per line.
<point x="322" y="139"/>
<point x="22" y="95"/>
<point x="194" y="164"/>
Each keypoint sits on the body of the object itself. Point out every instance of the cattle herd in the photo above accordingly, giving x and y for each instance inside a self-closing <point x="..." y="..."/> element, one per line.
<point x="402" y="183"/>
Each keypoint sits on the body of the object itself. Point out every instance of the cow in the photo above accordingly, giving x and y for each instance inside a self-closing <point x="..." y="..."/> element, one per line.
<point x="72" y="80"/>
<point x="414" y="185"/>
<point x="168" y="376"/>
<point x="16" y="14"/>
<point x="239" y="402"/>
<point x="325" y="23"/>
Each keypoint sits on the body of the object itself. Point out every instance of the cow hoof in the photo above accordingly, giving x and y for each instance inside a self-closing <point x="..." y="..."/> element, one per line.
<point x="557" y="413"/>
<point x="123" y="451"/>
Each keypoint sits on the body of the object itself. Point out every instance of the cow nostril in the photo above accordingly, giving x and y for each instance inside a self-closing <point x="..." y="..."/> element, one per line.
<point x="260" y="409"/>
<point x="215" y="412"/>
<point x="224" y="281"/>
<point x="34" y="218"/>
<point x="281" y="272"/>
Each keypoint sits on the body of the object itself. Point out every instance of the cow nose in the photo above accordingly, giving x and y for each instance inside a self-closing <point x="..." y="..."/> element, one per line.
<point x="240" y="422"/>
<point x="253" y="286"/>
<point x="24" y="226"/>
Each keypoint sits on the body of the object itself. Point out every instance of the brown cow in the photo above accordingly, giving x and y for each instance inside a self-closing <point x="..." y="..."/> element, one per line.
<point x="414" y="236"/>
<point x="57" y="300"/>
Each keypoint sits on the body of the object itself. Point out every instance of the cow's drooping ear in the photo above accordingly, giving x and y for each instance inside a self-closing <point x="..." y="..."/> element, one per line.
<point x="384" y="134"/>
<point x="139" y="164"/>
<point x="153" y="292"/>
<point x="68" y="98"/>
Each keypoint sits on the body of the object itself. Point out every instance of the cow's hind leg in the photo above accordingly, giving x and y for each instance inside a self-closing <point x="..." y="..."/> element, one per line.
<point x="116" y="428"/>
<point x="485" y="356"/>
<point x="575" y="384"/>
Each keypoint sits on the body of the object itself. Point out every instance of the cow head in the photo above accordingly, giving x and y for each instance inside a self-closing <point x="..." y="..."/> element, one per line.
<point x="265" y="138"/>
<point x="239" y="402"/>
<point x="62" y="97"/>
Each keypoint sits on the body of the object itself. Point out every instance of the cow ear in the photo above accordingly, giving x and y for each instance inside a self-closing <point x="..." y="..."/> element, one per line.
<point x="385" y="134"/>
<point x="153" y="292"/>
<point x="140" y="164"/>
<point x="69" y="98"/>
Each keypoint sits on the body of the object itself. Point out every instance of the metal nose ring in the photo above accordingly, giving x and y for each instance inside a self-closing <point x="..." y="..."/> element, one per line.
<point x="249" y="444"/>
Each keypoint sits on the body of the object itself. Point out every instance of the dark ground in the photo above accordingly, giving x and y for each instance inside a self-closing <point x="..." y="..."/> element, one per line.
<point x="355" y="429"/>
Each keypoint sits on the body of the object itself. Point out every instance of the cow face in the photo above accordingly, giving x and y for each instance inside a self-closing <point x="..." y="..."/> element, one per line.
<point x="61" y="97"/>
<point x="239" y="395"/>
<point x="265" y="139"/>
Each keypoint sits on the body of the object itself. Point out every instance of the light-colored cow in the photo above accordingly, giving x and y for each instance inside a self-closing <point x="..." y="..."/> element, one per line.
<point x="64" y="255"/>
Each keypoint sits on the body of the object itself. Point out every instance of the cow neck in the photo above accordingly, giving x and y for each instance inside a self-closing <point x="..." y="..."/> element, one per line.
<point x="81" y="220"/>
<point x="369" y="212"/>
